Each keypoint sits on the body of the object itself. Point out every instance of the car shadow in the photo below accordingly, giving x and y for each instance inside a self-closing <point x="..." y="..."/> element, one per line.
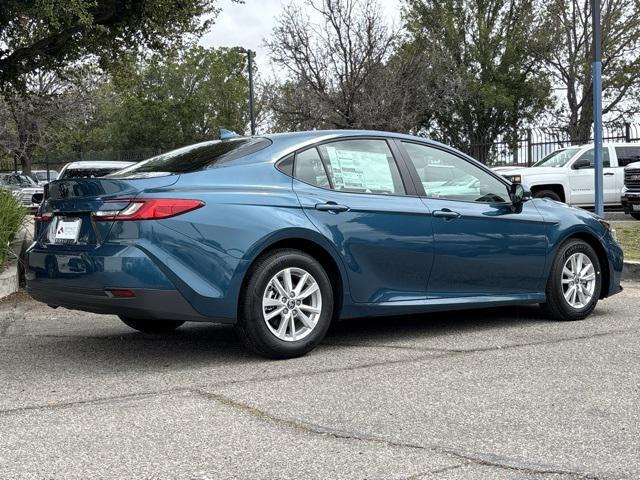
<point x="204" y="345"/>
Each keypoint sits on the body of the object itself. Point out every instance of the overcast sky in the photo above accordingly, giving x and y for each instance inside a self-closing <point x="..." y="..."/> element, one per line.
<point x="248" y="24"/>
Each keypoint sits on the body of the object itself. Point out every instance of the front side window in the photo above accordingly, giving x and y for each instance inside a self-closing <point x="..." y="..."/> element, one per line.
<point x="627" y="155"/>
<point x="447" y="176"/>
<point x="588" y="156"/>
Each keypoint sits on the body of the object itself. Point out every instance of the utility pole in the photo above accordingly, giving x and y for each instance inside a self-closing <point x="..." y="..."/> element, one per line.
<point x="252" y="114"/>
<point x="597" y="106"/>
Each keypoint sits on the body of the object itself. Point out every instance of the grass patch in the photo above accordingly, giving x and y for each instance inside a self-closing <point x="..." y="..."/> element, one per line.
<point x="12" y="215"/>
<point x="629" y="238"/>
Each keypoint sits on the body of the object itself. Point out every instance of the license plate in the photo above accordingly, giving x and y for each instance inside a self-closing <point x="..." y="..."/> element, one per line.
<point x="67" y="229"/>
<point x="636" y="207"/>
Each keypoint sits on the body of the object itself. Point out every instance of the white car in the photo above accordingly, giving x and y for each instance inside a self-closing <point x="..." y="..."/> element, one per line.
<point x="23" y="187"/>
<point x="567" y="175"/>
<point x="91" y="169"/>
<point x="40" y="176"/>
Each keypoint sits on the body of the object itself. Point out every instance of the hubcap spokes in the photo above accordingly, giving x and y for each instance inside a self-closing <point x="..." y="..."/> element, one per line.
<point x="578" y="280"/>
<point x="291" y="304"/>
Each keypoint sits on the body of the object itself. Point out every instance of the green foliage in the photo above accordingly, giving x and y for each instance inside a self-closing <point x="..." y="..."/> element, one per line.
<point x="12" y="215"/>
<point x="485" y="54"/>
<point x="51" y="34"/>
<point x="169" y="101"/>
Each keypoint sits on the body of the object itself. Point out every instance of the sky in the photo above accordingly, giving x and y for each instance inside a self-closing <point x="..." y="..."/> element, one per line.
<point x="248" y="24"/>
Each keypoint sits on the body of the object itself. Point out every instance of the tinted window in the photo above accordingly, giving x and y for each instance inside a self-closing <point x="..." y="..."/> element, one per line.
<point x="309" y="169"/>
<point x="362" y="166"/>
<point x="627" y="155"/>
<point x="196" y="157"/>
<point x="588" y="155"/>
<point x="462" y="180"/>
<point x="87" y="172"/>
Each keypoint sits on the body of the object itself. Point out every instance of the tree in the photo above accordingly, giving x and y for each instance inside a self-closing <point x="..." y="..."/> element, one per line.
<point x="36" y="119"/>
<point x="48" y="35"/>
<point x="338" y="68"/>
<point x="484" y="55"/>
<point x="171" y="100"/>
<point x="570" y="60"/>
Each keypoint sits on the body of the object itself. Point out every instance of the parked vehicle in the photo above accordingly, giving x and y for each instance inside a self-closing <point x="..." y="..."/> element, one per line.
<point x="631" y="192"/>
<point x="567" y="175"/>
<point x="91" y="169"/>
<point x="281" y="234"/>
<point x="23" y="187"/>
<point x="40" y="176"/>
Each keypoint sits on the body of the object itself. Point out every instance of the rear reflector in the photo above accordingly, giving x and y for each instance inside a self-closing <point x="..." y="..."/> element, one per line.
<point x="120" y="293"/>
<point x="148" y="209"/>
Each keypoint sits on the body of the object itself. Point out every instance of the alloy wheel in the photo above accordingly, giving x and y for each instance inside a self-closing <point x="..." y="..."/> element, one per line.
<point x="291" y="304"/>
<point x="578" y="280"/>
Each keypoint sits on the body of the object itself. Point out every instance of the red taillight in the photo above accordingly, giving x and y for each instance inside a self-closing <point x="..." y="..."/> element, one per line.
<point x="148" y="209"/>
<point x="45" y="217"/>
<point x="120" y="292"/>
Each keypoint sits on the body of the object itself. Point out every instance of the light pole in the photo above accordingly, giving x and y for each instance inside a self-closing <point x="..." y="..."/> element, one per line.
<point x="597" y="106"/>
<point x="252" y="114"/>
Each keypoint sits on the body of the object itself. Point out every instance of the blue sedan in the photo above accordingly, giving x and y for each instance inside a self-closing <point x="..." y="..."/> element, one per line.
<point x="282" y="234"/>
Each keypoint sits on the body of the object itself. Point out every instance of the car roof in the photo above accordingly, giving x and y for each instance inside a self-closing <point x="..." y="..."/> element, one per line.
<point x="98" y="164"/>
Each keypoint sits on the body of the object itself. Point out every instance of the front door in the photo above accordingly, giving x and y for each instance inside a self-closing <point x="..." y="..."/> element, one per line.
<point x="582" y="180"/>
<point x="482" y="247"/>
<point x="354" y="194"/>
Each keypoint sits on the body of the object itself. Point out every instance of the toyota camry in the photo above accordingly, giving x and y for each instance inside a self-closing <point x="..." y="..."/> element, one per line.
<point x="282" y="234"/>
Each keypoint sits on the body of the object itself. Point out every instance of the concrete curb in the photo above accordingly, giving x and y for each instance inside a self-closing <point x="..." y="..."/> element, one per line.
<point x="631" y="271"/>
<point x="9" y="281"/>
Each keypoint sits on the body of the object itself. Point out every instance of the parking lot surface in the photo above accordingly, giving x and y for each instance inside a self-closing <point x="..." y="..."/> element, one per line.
<point x="495" y="394"/>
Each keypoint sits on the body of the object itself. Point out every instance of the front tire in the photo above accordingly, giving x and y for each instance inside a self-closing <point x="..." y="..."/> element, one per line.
<point x="574" y="283"/>
<point x="287" y="305"/>
<point x="151" y="326"/>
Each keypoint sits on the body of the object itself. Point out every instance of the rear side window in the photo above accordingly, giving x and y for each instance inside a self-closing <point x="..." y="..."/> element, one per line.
<point x="357" y="166"/>
<point x="627" y="155"/>
<point x="196" y="157"/>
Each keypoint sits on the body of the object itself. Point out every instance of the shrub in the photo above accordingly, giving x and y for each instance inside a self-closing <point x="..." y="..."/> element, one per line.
<point x="12" y="215"/>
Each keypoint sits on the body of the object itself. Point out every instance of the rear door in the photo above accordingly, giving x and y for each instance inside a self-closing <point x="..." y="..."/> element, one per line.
<point x="355" y="193"/>
<point x="482" y="247"/>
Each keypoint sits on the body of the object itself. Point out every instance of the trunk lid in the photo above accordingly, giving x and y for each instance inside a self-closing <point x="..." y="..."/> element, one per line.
<point x="70" y="202"/>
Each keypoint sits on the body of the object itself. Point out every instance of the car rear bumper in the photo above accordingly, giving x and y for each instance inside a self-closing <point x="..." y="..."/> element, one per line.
<point x="84" y="280"/>
<point x="146" y="303"/>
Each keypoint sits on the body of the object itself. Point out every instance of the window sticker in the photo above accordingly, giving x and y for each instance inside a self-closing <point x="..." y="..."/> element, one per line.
<point x="354" y="170"/>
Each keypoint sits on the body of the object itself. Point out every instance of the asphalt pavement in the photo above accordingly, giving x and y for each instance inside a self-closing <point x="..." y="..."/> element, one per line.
<point x="485" y="394"/>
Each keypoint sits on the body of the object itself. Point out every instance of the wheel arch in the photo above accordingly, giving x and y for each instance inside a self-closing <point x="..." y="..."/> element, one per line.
<point x="319" y="250"/>
<point x="557" y="188"/>
<point x="594" y="242"/>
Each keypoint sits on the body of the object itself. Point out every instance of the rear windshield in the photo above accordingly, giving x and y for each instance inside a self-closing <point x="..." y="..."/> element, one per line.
<point x="87" y="172"/>
<point x="195" y="157"/>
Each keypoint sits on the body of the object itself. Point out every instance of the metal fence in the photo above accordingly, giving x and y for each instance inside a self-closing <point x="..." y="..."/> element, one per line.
<point x="533" y="144"/>
<point x="523" y="149"/>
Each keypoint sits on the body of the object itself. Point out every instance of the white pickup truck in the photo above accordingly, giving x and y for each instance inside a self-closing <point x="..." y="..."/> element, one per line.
<point x="567" y="175"/>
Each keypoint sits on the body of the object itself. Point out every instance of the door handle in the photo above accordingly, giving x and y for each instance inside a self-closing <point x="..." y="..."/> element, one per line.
<point x="608" y="174"/>
<point x="331" y="207"/>
<point x="446" y="213"/>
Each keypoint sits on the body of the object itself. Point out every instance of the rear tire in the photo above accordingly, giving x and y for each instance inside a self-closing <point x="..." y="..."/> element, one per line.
<point x="573" y="256"/>
<point x="547" y="194"/>
<point x="151" y="326"/>
<point x="635" y="215"/>
<point x="279" y="317"/>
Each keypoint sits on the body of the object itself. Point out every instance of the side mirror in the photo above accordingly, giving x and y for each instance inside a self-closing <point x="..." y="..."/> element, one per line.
<point x="581" y="163"/>
<point x="517" y="195"/>
<point x="37" y="198"/>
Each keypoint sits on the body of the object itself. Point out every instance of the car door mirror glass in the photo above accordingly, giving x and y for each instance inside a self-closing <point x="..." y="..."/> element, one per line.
<point x="581" y="163"/>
